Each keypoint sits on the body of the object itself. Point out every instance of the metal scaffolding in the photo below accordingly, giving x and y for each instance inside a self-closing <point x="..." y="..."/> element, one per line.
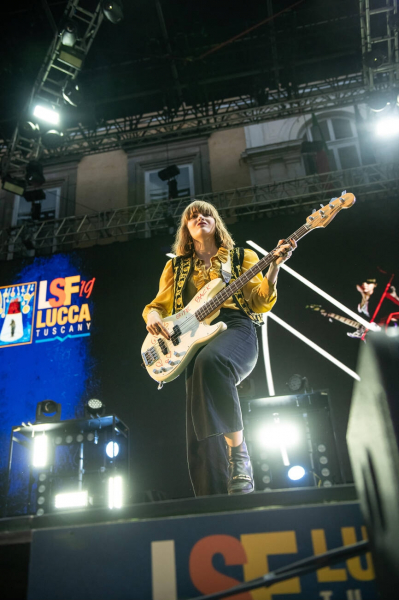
<point x="61" y="66"/>
<point x="37" y="238"/>
<point x="379" y="28"/>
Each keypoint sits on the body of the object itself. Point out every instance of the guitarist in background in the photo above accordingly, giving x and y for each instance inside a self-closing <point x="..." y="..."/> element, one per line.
<point x="217" y="455"/>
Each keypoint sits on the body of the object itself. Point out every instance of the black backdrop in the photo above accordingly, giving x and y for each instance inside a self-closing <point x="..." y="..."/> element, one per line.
<point x="352" y="248"/>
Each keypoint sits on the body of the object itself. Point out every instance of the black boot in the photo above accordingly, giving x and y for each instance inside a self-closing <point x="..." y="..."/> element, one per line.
<point x="241" y="480"/>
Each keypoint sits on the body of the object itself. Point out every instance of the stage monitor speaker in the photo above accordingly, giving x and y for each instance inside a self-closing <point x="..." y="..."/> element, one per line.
<point x="373" y="440"/>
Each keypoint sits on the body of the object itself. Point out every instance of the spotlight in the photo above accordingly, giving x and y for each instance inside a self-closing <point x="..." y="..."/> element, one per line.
<point x="296" y="473"/>
<point x="377" y="100"/>
<point x="275" y="435"/>
<point x="29" y="130"/>
<point x="53" y="138"/>
<point x="374" y="59"/>
<point x="113" y="10"/>
<point x="388" y="127"/>
<point x="71" y="500"/>
<point x="94" y="408"/>
<point x="46" y="114"/>
<point x="34" y="173"/>
<point x="297" y="384"/>
<point x="115" y="492"/>
<point x="48" y="411"/>
<point x="14" y="186"/>
<point x="70" y="35"/>
<point x="112" y="449"/>
<point x="39" y="451"/>
<point x="71" y="93"/>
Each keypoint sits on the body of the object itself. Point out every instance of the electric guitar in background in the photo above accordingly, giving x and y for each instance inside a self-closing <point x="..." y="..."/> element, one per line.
<point x="191" y="328"/>
<point x="360" y="329"/>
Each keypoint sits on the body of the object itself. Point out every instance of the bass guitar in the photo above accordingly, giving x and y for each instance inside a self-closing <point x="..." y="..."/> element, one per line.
<point x="191" y="328"/>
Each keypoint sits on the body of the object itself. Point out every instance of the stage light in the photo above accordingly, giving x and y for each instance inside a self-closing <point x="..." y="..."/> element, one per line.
<point x="113" y="10"/>
<point x="71" y="56"/>
<point x="35" y="196"/>
<point x="357" y="317"/>
<point x="297" y="383"/>
<point x="276" y="435"/>
<point x="296" y="473"/>
<point x="14" y="186"/>
<point x="70" y="35"/>
<point x="48" y="411"/>
<point x="53" y="138"/>
<point x="40" y="451"/>
<point x="29" y="130"/>
<point x="266" y="357"/>
<point x="374" y="59"/>
<point x="112" y="449"/>
<point x="387" y="127"/>
<point x="115" y="492"/>
<point x="71" y="500"/>
<point x="378" y="100"/>
<point x="94" y="408"/>
<point x="34" y="173"/>
<point x="46" y="114"/>
<point x="71" y="93"/>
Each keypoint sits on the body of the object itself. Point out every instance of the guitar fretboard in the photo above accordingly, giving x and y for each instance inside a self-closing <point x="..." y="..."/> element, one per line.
<point x="220" y="298"/>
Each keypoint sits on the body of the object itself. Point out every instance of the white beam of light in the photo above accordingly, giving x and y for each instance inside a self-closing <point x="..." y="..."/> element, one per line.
<point x="266" y="358"/>
<point x="307" y="341"/>
<point x="46" y="114"/>
<point x="348" y="311"/>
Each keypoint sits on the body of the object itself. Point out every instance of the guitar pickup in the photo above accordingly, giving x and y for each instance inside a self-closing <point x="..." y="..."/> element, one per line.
<point x="175" y="335"/>
<point x="163" y="346"/>
<point x="150" y="356"/>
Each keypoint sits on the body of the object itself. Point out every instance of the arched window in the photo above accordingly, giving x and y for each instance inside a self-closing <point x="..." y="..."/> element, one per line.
<point x="340" y="135"/>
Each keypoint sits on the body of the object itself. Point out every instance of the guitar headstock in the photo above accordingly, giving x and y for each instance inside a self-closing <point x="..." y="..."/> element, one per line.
<point x="323" y="216"/>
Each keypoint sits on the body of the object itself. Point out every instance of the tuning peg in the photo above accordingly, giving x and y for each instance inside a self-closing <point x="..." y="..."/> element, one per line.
<point x="342" y="193"/>
<point x="332" y="199"/>
<point x="321" y="205"/>
<point x="313" y="211"/>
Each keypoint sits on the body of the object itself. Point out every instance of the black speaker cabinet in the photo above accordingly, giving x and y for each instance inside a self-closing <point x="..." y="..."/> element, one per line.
<point x="373" y="441"/>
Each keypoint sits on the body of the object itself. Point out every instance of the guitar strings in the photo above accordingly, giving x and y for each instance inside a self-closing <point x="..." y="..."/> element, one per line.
<point x="186" y="325"/>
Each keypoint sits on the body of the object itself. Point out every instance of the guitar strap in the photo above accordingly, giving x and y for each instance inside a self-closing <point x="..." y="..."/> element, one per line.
<point x="226" y="269"/>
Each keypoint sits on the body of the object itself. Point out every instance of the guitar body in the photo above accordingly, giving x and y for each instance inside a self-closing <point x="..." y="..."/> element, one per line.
<point x="166" y="359"/>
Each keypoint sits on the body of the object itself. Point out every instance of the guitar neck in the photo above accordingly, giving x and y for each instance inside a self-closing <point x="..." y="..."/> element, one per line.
<point x="342" y="319"/>
<point x="220" y="298"/>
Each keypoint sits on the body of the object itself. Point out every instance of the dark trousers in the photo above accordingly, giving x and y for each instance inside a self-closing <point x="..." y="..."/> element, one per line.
<point x="213" y="406"/>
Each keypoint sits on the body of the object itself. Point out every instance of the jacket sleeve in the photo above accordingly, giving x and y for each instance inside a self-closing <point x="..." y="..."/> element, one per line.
<point x="163" y="301"/>
<point x="260" y="294"/>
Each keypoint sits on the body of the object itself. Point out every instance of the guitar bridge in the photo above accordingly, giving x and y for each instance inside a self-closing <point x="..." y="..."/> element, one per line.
<point x="175" y="335"/>
<point x="150" y="356"/>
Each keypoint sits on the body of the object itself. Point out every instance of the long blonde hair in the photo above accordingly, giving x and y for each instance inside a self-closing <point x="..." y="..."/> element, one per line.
<point x="183" y="245"/>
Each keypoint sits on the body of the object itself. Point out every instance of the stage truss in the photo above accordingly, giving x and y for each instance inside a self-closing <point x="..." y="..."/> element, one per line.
<point x="375" y="181"/>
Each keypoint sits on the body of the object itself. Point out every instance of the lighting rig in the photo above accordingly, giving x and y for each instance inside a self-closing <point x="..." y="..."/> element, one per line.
<point x="40" y="127"/>
<point x="292" y="441"/>
<point x="73" y="464"/>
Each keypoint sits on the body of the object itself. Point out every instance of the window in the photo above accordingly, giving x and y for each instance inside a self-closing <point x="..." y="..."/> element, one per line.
<point x="340" y="135"/>
<point x="157" y="190"/>
<point x="49" y="207"/>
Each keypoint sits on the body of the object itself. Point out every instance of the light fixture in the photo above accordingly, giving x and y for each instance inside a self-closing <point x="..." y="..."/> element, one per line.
<point x="14" y="186"/>
<point x="71" y="56"/>
<point x="276" y="434"/>
<point x="113" y="10"/>
<point x="29" y="130"/>
<point x="45" y="113"/>
<point x="94" y="408"/>
<point x="296" y="472"/>
<point x="70" y="35"/>
<point x="34" y="173"/>
<point x="115" y="492"/>
<point x="53" y="138"/>
<point x="35" y="195"/>
<point x="297" y="384"/>
<point x="387" y="127"/>
<point x="378" y="100"/>
<point x="48" y="411"/>
<point x="71" y="500"/>
<point x="374" y="59"/>
<point x="71" y="93"/>
<point x="40" y="450"/>
<point x="112" y="449"/>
